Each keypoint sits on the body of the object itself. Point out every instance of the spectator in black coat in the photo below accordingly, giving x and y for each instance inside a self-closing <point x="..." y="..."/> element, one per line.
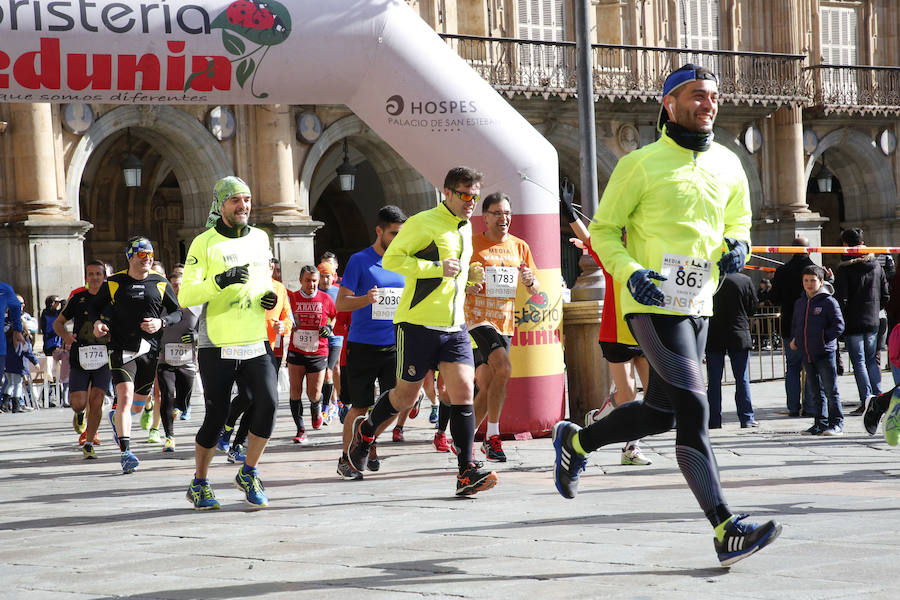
<point x="729" y="332"/>
<point x="861" y="289"/>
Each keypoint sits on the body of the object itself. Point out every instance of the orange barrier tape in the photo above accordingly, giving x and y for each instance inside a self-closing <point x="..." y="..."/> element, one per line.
<point x="755" y="268"/>
<point x="826" y="249"/>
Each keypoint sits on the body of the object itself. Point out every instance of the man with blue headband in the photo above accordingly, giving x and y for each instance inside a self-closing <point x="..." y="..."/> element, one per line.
<point x="227" y="272"/>
<point x="685" y="204"/>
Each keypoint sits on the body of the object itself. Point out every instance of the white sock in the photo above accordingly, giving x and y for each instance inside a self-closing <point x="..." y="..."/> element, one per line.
<point x="493" y="429"/>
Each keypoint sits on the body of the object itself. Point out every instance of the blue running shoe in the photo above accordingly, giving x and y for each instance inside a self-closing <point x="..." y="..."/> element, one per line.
<point x="251" y="485"/>
<point x="569" y="463"/>
<point x="112" y="423"/>
<point x="201" y="495"/>
<point x="236" y="454"/>
<point x="129" y="462"/>
<point x="225" y="439"/>
<point x="736" y="540"/>
<point x="186" y="415"/>
<point x="342" y="412"/>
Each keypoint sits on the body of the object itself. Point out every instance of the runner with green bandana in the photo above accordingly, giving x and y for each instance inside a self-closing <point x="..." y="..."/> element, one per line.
<point x="227" y="272"/>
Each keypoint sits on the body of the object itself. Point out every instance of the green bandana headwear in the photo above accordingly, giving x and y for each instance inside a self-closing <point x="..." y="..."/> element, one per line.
<point x="225" y="189"/>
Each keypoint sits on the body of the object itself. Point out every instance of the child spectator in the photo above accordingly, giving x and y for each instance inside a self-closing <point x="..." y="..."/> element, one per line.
<point x="16" y="371"/>
<point x="816" y="325"/>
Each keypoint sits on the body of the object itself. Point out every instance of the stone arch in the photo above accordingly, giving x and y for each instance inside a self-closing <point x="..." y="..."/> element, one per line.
<point x="866" y="175"/>
<point x="401" y="182"/>
<point x="565" y="139"/>
<point x="195" y="155"/>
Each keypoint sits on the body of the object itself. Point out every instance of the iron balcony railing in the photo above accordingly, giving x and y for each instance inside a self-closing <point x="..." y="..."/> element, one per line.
<point x="628" y="72"/>
<point x="854" y="88"/>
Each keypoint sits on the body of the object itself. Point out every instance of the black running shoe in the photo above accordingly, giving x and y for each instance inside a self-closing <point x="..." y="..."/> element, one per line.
<point x="358" y="452"/>
<point x="374" y="462"/>
<point x="736" y="540"/>
<point x="493" y="449"/>
<point x="471" y="481"/>
<point x="346" y="471"/>
<point x="872" y="416"/>
<point x="569" y="463"/>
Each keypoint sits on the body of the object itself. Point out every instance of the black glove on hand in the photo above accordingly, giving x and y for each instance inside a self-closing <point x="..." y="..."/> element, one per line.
<point x="566" y="196"/>
<point x="645" y="291"/>
<point x="233" y="275"/>
<point x="188" y="338"/>
<point x="268" y="300"/>
<point x="733" y="261"/>
<point x="326" y="331"/>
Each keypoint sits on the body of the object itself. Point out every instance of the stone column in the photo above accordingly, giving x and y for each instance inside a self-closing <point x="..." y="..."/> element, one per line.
<point x="790" y="184"/>
<point x="41" y="241"/>
<point x="276" y="192"/>
<point x="587" y="372"/>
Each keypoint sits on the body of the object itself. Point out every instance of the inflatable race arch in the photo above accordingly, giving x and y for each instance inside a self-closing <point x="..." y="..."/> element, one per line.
<point x="375" y="56"/>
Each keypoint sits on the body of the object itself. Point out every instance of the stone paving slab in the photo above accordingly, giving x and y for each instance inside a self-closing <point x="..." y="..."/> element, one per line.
<point x="73" y="529"/>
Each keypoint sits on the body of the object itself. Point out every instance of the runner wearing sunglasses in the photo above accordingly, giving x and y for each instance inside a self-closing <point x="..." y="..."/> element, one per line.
<point x="432" y="251"/>
<point x="130" y="308"/>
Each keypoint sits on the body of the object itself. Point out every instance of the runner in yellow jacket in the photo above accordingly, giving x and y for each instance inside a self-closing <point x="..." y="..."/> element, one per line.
<point x="684" y="202"/>
<point x="432" y="251"/>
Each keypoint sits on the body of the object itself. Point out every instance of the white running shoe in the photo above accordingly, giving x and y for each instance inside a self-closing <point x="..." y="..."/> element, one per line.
<point x="632" y="455"/>
<point x="598" y="413"/>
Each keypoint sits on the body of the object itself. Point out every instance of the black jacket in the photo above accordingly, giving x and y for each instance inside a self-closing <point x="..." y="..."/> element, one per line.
<point x="787" y="286"/>
<point x="861" y="289"/>
<point x="733" y="305"/>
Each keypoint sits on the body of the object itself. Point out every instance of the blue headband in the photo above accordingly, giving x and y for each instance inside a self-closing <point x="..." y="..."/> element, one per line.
<point x="685" y="75"/>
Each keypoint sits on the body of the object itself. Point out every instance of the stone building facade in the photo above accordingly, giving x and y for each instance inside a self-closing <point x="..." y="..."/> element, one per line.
<point x="807" y="89"/>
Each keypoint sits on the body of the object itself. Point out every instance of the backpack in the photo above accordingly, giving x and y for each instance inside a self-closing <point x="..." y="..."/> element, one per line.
<point x="894" y="346"/>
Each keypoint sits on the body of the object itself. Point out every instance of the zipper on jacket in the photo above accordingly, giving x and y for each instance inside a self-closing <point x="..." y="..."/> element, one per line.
<point x="455" y="284"/>
<point x="805" y="326"/>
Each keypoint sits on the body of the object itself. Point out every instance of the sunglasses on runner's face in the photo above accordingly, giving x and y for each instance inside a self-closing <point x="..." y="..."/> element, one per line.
<point x="143" y="254"/>
<point x="465" y="197"/>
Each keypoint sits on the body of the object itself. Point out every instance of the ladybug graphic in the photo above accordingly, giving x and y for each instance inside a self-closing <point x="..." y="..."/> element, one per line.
<point x="253" y="14"/>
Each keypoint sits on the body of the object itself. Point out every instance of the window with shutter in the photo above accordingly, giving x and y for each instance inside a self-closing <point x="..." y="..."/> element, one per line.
<point x="699" y="21"/>
<point x="839" y="37"/>
<point x="542" y="20"/>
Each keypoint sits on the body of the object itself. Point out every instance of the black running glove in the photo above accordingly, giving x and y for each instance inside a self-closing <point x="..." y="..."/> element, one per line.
<point x="268" y="300"/>
<point x="733" y="261"/>
<point x="645" y="291"/>
<point x="566" y="196"/>
<point x="233" y="275"/>
<point x="326" y="331"/>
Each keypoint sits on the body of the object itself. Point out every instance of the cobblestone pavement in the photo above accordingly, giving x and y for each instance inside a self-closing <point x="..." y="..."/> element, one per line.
<point x="72" y="528"/>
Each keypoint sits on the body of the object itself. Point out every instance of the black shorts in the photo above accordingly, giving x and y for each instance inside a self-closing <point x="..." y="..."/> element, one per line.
<point x="334" y="354"/>
<point x="365" y="364"/>
<point x="141" y="371"/>
<point x="81" y="380"/>
<point x="614" y="352"/>
<point x="487" y="339"/>
<point x="420" y="349"/>
<point x="313" y="364"/>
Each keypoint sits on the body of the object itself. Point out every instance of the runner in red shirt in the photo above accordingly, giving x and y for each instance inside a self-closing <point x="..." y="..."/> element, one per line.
<point x="307" y="357"/>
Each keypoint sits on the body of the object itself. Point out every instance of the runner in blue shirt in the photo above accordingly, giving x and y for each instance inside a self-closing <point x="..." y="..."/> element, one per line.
<point x="372" y="293"/>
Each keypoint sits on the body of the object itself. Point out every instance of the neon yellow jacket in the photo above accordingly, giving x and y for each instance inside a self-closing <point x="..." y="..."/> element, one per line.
<point x="670" y="199"/>
<point x="427" y="238"/>
<point x="232" y="316"/>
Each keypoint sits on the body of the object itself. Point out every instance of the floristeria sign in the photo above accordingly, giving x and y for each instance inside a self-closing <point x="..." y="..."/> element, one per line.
<point x="169" y="72"/>
<point x="375" y="56"/>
